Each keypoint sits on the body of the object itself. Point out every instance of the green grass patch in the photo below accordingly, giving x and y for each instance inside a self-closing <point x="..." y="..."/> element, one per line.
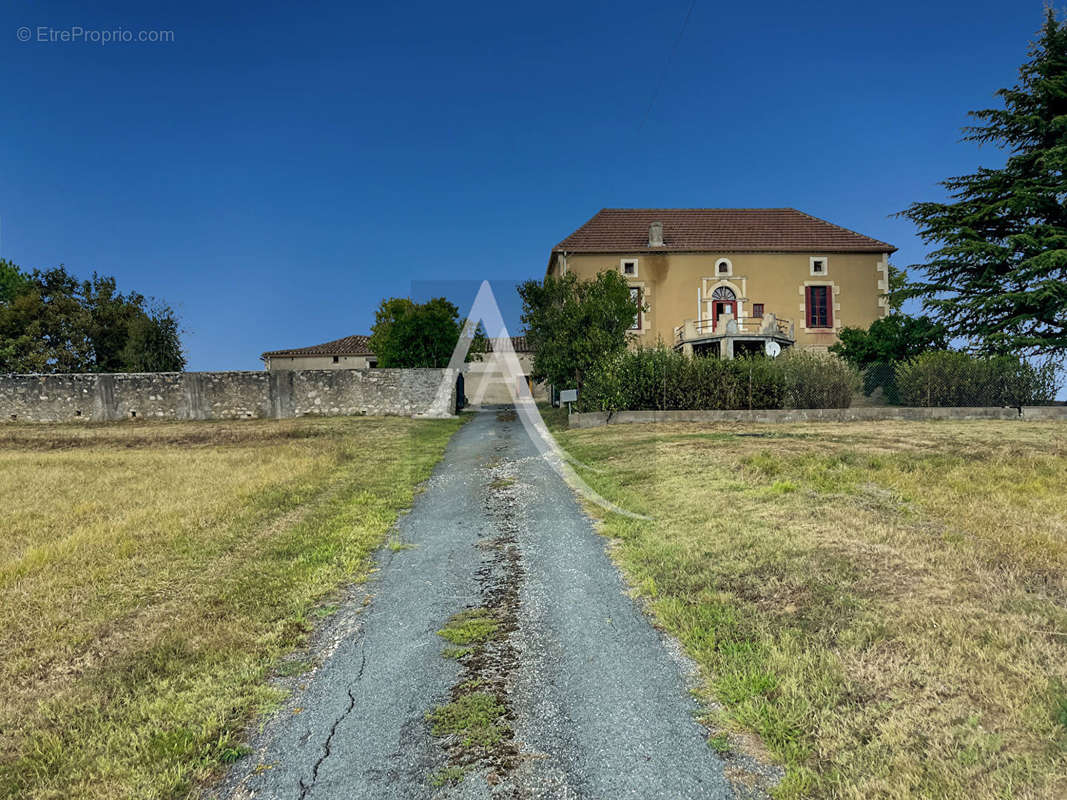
<point x="880" y="603"/>
<point x="720" y="744"/>
<point x="163" y="576"/>
<point x="469" y="627"/>
<point x="476" y="718"/>
<point x="447" y="776"/>
<point x="290" y="667"/>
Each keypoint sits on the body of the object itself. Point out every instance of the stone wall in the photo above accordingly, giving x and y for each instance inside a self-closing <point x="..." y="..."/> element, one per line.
<point x="595" y="419"/>
<point x="227" y="395"/>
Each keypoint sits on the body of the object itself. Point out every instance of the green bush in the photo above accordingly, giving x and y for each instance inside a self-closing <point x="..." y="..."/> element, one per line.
<point x="817" y="381"/>
<point x="876" y="350"/>
<point x="661" y="379"/>
<point x="960" y="379"/>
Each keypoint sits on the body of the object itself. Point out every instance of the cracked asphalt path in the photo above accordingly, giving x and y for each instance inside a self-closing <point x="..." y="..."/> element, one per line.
<point x="597" y="698"/>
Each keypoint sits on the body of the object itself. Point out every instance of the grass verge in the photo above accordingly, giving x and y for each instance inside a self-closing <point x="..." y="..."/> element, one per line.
<point x="883" y="604"/>
<point x="152" y="576"/>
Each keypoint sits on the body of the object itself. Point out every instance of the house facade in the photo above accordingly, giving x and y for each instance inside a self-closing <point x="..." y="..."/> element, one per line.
<point x="727" y="281"/>
<point x="351" y="352"/>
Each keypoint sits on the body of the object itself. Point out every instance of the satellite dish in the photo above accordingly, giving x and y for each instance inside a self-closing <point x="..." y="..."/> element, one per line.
<point x="772" y="349"/>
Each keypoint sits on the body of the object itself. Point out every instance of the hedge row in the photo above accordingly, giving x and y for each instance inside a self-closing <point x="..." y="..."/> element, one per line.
<point x="950" y="378"/>
<point x="662" y="380"/>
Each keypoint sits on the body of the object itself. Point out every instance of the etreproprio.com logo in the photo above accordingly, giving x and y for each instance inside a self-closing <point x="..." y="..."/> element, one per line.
<point x="77" y="34"/>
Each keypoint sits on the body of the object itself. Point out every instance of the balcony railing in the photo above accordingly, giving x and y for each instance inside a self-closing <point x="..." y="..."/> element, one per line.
<point x="769" y="326"/>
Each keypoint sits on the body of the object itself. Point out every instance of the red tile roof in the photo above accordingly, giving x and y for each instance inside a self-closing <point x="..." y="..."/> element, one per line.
<point x="348" y="346"/>
<point x="717" y="230"/>
<point x="357" y="346"/>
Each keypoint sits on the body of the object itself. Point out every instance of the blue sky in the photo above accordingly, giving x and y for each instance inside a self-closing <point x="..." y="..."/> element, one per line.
<point x="276" y="170"/>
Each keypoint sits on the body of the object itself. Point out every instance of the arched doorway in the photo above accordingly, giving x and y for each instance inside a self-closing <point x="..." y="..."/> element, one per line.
<point x="723" y="301"/>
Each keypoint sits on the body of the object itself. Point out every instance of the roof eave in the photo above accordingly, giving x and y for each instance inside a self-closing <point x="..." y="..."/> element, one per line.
<point x="882" y="248"/>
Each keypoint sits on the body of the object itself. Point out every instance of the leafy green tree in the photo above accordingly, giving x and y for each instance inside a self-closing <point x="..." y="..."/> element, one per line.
<point x="998" y="277"/>
<point x="153" y="343"/>
<point x="45" y="327"/>
<point x="52" y="322"/>
<point x="12" y="281"/>
<point x="112" y="317"/>
<point x="898" y="288"/>
<point x="897" y="337"/>
<point x="887" y="342"/>
<point x="574" y="324"/>
<point x="410" y="334"/>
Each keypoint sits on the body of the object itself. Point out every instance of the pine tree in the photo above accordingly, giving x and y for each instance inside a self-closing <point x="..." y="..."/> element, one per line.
<point x="998" y="277"/>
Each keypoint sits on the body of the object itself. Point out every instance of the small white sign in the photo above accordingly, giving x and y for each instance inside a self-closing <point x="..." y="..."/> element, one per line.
<point x="568" y="396"/>
<point x="773" y="349"/>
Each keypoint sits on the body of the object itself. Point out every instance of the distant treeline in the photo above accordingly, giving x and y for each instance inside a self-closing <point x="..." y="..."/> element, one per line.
<point x="50" y="321"/>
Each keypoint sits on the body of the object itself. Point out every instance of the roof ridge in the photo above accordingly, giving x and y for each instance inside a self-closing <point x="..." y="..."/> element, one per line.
<point x="777" y="229"/>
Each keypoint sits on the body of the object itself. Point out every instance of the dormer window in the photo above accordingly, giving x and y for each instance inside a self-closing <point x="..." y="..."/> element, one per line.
<point x="628" y="267"/>
<point x="818" y="265"/>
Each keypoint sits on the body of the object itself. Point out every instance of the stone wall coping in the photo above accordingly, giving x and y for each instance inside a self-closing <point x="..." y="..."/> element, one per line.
<point x="595" y="419"/>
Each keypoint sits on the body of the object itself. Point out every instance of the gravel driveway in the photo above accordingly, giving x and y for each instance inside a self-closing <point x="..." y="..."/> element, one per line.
<point x="597" y="701"/>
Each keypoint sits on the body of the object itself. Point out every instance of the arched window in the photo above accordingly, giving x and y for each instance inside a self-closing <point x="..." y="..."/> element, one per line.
<point x="724" y="267"/>
<point x="723" y="293"/>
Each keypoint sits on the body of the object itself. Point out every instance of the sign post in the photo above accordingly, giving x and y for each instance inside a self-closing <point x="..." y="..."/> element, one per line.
<point x="568" y="396"/>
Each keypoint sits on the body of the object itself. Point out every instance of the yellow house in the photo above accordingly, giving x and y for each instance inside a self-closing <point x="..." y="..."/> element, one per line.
<point x="726" y="281"/>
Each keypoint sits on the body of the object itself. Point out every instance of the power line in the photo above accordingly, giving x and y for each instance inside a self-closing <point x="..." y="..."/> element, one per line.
<point x="666" y="66"/>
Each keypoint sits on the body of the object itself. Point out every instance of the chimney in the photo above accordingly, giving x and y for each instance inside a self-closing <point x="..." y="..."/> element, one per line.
<point x="655" y="234"/>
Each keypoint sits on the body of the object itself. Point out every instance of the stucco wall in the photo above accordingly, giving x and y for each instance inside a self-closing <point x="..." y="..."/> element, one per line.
<point x="275" y="363"/>
<point x="226" y="395"/>
<point x="670" y="281"/>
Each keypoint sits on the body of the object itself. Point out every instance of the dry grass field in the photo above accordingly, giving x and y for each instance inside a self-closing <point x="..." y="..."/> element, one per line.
<point x="883" y="604"/>
<point x="151" y="576"/>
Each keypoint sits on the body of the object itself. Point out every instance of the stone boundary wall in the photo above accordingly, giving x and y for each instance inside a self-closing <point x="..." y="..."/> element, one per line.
<point x="101" y="397"/>
<point x="595" y="419"/>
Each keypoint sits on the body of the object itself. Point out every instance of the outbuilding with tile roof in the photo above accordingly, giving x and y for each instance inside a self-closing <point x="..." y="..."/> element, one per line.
<point x="349" y="352"/>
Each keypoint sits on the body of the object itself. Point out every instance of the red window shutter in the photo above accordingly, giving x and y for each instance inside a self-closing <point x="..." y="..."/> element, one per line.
<point x="819" y="306"/>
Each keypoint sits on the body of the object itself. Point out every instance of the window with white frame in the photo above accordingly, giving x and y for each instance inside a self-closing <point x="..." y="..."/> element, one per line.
<point x="818" y="265"/>
<point x="724" y="267"/>
<point x="628" y="267"/>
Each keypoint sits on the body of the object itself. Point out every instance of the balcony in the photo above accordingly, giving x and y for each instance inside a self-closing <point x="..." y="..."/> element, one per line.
<point x="727" y="337"/>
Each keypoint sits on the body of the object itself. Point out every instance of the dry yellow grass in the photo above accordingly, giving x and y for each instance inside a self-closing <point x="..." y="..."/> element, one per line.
<point x="152" y="574"/>
<point x="885" y="604"/>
